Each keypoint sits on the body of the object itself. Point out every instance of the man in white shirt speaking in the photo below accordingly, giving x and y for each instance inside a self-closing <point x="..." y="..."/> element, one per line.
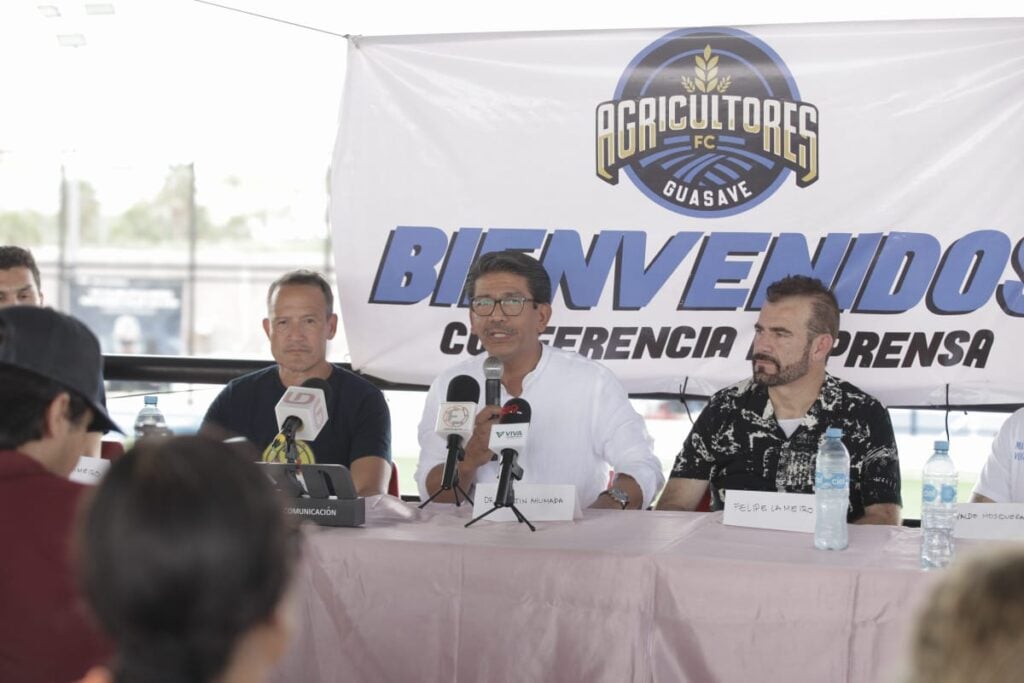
<point x="582" y="423"/>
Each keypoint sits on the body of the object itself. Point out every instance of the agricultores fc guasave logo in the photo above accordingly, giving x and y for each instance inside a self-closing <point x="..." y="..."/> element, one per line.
<point x="707" y="123"/>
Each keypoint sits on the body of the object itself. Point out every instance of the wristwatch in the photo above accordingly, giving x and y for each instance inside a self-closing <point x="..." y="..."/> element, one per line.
<point x="618" y="495"/>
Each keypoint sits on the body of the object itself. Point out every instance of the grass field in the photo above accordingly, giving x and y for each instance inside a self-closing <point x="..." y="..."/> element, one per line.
<point x="912" y="494"/>
<point x="406" y="469"/>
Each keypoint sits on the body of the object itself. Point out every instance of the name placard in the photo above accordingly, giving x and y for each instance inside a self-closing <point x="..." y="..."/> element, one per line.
<point x="89" y="470"/>
<point x="998" y="521"/>
<point x="537" y="502"/>
<point x="770" y="510"/>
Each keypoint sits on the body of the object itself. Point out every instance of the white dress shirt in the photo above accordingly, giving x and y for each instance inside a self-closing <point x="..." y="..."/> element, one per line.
<point x="582" y="426"/>
<point x="1002" y="477"/>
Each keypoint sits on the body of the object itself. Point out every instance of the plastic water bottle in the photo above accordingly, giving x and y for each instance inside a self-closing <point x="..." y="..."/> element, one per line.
<point x="938" y="508"/>
<point x="150" y="421"/>
<point x="831" y="492"/>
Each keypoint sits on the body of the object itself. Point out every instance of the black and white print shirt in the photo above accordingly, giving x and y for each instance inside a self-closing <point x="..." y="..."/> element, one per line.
<point x="736" y="443"/>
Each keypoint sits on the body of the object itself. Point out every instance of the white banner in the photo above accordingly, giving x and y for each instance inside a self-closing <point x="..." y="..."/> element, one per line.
<point x="665" y="178"/>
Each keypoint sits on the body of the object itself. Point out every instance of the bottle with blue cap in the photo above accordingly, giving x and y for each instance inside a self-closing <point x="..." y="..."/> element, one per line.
<point x="938" y="508"/>
<point x="150" y="421"/>
<point x="831" y="492"/>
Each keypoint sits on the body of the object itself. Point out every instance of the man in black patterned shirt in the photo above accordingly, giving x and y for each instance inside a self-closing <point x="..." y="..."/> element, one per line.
<point x="762" y="434"/>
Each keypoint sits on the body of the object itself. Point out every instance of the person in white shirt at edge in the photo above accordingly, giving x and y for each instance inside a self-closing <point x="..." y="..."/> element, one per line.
<point x="582" y="423"/>
<point x="1002" y="477"/>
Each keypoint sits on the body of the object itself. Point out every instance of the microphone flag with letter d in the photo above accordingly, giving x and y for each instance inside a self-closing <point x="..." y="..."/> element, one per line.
<point x="308" y="405"/>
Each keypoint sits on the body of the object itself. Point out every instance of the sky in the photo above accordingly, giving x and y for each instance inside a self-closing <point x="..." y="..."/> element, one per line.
<point x="189" y="79"/>
<point x="179" y="81"/>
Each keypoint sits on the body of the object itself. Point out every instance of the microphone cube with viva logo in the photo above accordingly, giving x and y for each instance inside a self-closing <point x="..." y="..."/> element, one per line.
<point x="309" y="405"/>
<point x="508" y="436"/>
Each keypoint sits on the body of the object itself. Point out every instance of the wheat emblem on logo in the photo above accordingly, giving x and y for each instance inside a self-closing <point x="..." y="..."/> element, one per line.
<point x="706" y="72"/>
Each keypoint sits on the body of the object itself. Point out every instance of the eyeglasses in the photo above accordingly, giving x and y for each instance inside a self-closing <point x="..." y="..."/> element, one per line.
<point x="510" y="305"/>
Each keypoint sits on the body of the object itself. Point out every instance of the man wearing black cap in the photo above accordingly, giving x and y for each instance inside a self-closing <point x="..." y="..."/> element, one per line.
<point x="50" y="398"/>
<point x="20" y="285"/>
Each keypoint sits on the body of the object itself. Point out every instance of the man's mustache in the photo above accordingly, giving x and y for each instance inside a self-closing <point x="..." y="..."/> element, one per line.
<point x="765" y="357"/>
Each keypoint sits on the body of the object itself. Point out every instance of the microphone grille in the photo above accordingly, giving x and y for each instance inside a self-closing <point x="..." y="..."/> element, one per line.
<point x="516" y="411"/>
<point x="493" y="368"/>
<point x="463" y="388"/>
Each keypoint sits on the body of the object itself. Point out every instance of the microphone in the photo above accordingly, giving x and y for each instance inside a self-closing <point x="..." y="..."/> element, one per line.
<point x="302" y="411"/>
<point x="493" y="369"/>
<point x="508" y="438"/>
<point x="455" y="421"/>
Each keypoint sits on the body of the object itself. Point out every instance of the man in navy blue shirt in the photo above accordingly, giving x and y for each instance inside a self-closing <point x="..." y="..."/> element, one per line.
<point x="300" y="321"/>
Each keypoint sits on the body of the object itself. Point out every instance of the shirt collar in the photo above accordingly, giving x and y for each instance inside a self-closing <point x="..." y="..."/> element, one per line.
<point x="538" y="370"/>
<point x="828" y="398"/>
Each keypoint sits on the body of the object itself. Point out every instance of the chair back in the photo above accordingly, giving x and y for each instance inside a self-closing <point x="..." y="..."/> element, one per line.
<point x="393" y="482"/>
<point x="111" y="450"/>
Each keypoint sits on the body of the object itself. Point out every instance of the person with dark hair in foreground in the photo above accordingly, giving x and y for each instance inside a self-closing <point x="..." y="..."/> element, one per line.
<point x="763" y="433"/>
<point x="50" y="379"/>
<point x="970" y="626"/>
<point x="186" y="558"/>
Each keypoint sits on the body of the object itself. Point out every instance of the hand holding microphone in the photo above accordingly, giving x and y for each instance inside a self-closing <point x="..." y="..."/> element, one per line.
<point x="493" y="370"/>
<point x="478" y="453"/>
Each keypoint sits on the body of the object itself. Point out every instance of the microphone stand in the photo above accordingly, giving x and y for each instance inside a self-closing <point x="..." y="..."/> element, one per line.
<point x="291" y="451"/>
<point x="514" y="472"/>
<point x="452" y="485"/>
<point x="291" y="456"/>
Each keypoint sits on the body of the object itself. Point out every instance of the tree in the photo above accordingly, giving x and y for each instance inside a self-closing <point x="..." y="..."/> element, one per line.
<point x="165" y="217"/>
<point x="24" y="228"/>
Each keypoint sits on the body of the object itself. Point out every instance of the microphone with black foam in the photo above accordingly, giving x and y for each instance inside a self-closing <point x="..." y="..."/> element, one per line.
<point x="493" y="369"/>
<point x="455" y="423"/>
<point x="508" y="439"/>
<point x="301" y="413"/>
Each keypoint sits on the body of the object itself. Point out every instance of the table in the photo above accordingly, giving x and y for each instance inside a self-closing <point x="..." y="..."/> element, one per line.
<point x="616" y="596"/>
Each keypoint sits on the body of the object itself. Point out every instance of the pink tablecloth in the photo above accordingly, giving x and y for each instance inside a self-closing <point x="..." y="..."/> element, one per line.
<point x="617" y="596"/>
